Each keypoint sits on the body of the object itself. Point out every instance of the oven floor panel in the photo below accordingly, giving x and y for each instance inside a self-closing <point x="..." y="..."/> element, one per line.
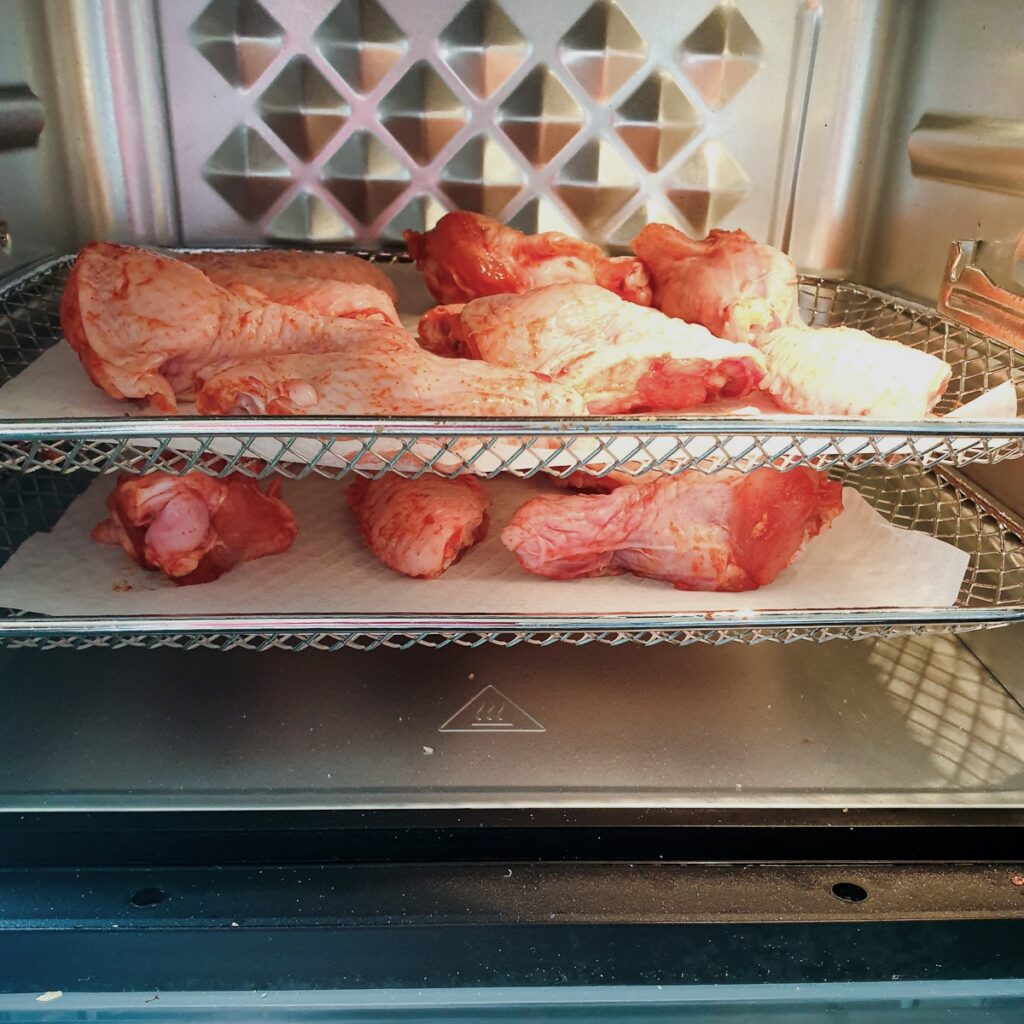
<point x="915" y="721"/>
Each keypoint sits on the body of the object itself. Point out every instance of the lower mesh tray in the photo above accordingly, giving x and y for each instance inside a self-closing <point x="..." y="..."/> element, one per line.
<point x="941" y="504"/>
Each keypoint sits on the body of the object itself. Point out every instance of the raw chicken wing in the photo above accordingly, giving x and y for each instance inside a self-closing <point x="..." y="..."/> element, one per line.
<point x="467" y="255"/>
<point x="328" y="266"/>
<point x="195" y="527"/>
<point x="143" y="324"/>
<point x="419" y="527"/>
<point x="840" y="371"/>
<point x="725" y="531"/>
<point x="735" y="287"/>
<point x="620" y="357"/>
<point x="388" y="374"/>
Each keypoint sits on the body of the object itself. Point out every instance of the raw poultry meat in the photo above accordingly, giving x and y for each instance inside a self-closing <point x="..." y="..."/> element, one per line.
<point x="195" y="527"/>
<point x="726" y="531"/>
<point x="143" y="324"/>
<point x="313" y="294"/>
<point x="419" y="527"/>
<point x="387" y="375"/>
<point x="735" y="287"/>
<point x="328" y="266"/>
<point x="466" y="255"/>
<point x="620" y="357"/>
<point x="840" y="371"/>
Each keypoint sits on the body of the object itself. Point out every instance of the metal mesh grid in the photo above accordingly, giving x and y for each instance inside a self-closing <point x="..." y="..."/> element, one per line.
<point x="29" y="323"/>
<point x="944" y="506"/>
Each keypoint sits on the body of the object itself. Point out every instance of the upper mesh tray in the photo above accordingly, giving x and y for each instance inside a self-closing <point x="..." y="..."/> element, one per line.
<point x="297" y="446"/>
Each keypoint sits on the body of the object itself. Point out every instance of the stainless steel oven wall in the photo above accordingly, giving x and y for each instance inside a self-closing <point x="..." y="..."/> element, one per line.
<point x="327" y="121"/>
<point x="101" y="166"/>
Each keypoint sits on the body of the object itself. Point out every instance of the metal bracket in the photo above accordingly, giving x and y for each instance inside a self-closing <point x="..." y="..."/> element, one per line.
<point x="970" y="295"/>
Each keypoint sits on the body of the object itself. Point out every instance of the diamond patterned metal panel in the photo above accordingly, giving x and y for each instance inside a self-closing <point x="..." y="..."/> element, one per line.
<point x="483" y="47"/>
<point x="303" y="108"/>
<point x="365" y="176"/>
<point x="603" y="49"/>
<point x="239" y="38"/>
<point x="392" y="110"/>
<point x="541" y="214"/>
<point x="708" y="185"/>
<point x="482" y="177"/>
<point x="309" y="218"/>
<point x="361" y="41"/>
<point x="540" y="116"/>
<point x="657" y="120"/>
<point x="422" y="112"/>
<point x="721" y="55"/>
<point x="654" y="212"/>
<point x="247" y="172"/>
<point x="595" y="183"/>
<point x="421" y="214"/>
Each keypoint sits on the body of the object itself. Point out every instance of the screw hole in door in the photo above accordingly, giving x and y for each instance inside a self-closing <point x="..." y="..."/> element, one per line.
<point x="849" y="892"/>
<point x="148" y="897"/>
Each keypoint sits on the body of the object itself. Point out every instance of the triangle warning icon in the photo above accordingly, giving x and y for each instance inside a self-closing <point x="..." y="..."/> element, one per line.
<point x="491" y="711"/>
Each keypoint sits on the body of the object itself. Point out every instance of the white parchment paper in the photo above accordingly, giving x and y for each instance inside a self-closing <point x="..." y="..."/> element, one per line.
<point x="55" y="386"/>
<point x="860" y="562"/>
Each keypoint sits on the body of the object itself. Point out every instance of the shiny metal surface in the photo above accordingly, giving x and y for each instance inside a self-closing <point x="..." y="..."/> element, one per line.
<point x="972" y="297"/>
<point x="22" y="117"/>
<point x="919" y="217"/>
<point x="909" y="722"/>
<point x="962" y="149"/>
<point x="577" y="116"/>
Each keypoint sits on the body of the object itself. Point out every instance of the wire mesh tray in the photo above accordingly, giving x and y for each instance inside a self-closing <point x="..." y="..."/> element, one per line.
<point x="942" y="504"/>
<point x="295" y="447"/>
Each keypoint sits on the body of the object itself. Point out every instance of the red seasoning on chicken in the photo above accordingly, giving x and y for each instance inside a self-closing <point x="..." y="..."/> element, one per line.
<point x="620" y="357"/>
<point x="386" y="374"/>
<point x="144" y="324"/>
<point x="466" y="255"/>
<point x="351" y="299"/>
<point x="194" y="527"/>
<point x="419" y="527"/>
<point x="340" y="267"/>
<point x="735" y="287"/>
<point x="727" y="531"/>
<point x="840" y="371"/>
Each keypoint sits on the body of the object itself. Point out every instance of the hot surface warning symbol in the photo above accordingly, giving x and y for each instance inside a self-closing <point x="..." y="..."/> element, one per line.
<point x="491" y="711"/>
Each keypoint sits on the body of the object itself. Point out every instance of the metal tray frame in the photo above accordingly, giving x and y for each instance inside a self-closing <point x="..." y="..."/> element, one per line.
<point x="942" y="503"/>
<point x="334" y="446"/>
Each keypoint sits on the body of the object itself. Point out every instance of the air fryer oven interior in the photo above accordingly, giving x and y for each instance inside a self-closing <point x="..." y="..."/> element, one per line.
<point x="862" y="136"/>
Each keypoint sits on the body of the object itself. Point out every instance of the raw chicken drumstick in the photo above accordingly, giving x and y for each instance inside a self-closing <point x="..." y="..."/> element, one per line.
<point x="466" y="255"/>
<point x="328" y="266"/>
<point x="735" y="287"/>
<point x="143" y="323"/>
<point x="387" y="374"/>
<point x="620" y="357"/>
<point x="195" y="527"/>
<point x="840" y="371"/>
<point x="419" y="527"/>
<point x="726" y="531"/>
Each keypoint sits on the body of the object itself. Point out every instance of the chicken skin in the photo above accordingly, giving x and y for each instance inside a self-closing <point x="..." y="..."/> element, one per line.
<point x="620" y="357"/>
<point x="735" y="287"/>
<point x="143" y="324"/>
<point x="466" y="255"/>
<point x="727" y="531"/>
<point x="419" y="527"/>
<point x="340" y="267"/>
<point x="839" y="371"/>
<point x="194" y="527"/>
